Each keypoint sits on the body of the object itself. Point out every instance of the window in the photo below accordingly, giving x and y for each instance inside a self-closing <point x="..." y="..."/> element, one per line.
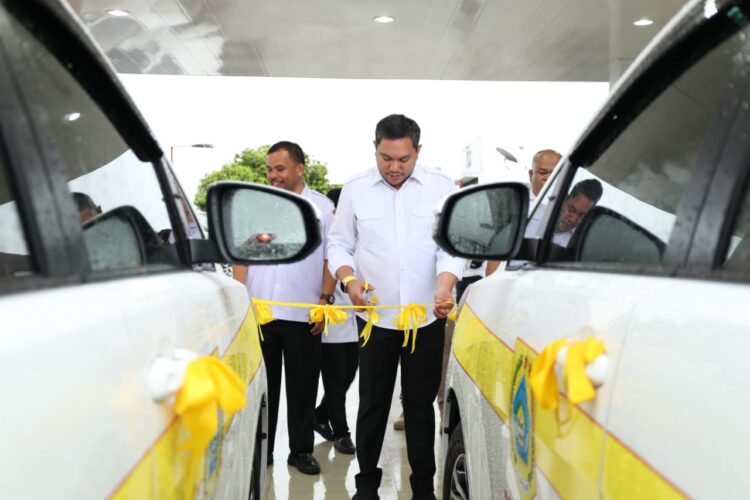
<point x="118" y="197"/>
<point x="738" y="253"/>
<point x="15" y="260"/>
<point x="622" y="209"/>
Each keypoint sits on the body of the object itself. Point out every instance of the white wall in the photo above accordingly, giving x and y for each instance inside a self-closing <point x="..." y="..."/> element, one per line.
<point x="334" y="120"/>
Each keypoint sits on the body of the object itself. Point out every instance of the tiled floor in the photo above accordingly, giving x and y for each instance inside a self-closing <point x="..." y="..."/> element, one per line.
<point x="336" y="481"/>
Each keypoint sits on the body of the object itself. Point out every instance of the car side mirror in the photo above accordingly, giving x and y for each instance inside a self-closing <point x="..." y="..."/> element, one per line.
<point x="483" y="222"/>
<point x="257" y="224"/>
<point x="607" y="236"/>
<point x="118" y="239"/>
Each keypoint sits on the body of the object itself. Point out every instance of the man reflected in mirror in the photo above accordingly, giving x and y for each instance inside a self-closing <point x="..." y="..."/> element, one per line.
<point x="581" y="199"/>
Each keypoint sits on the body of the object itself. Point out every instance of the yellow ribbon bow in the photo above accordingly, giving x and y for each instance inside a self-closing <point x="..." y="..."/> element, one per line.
<point x="209" y="384"/>
<point x="373" y="318"/>
<point x="263" y="312"/>
<point x="263" y="315"/>
<point x="411" y="317"/>
<point x="543" y="377"/>
<point x="329" y="314"/>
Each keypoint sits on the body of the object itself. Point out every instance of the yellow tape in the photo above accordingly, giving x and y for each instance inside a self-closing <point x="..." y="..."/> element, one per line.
<point x="408" y="320"/>
<point x="569" y="453"/>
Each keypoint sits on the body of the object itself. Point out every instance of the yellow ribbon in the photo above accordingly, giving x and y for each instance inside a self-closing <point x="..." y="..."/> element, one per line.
<point x="263" y="315"/>
<point x="411" y="317"/>
<point x="335" y="314"/>
<point x="263" y="312"/>
<point x="579" y="355"/>
<point x="373" y="318"/>
<point x="329" y="314"/>
<point x="209" y="384"/>
<point x="543" y="378"/>
<point x="452" y="315"/>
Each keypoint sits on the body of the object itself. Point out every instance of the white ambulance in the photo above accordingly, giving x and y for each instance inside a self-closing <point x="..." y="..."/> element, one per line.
<point x="642" y="245"/>
<point x="108" y="285"/>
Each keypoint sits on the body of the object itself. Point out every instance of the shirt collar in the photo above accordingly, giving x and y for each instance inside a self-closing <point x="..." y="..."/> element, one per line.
<point x="417" y="174"/>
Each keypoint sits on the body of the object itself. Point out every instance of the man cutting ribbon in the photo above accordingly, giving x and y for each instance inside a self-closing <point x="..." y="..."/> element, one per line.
<point x="383" y="228"/>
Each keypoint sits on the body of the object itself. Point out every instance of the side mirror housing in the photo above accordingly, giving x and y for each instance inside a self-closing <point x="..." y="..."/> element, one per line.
<point x="255" y="224"/>
<point x="485" y="222"/>
<point x="118" y="239"/>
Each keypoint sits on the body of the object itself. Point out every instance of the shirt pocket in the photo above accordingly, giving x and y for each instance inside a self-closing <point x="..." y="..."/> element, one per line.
<point x="371" y="223"/>
<point x="422" y="219"/>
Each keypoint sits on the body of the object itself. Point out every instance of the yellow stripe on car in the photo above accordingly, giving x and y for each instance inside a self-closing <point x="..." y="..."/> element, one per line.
<point x="567" y="443"/>
<point x="162" y="470"/>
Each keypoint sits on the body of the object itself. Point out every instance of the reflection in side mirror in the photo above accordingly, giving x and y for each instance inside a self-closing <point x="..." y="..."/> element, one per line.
<point x="606" y="236"/>
<point x="255" y="224"/>
<point x="484" y="222"/>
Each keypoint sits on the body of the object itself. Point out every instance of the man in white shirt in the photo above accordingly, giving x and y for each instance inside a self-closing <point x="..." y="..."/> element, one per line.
<point x="542" y="166"/>
<point x="383" y="229"/>
<point x="290" y="334"/>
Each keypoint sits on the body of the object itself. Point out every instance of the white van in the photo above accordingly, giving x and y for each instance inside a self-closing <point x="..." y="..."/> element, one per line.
<point x="105" y="276"/>
<point x="643" y="245"/>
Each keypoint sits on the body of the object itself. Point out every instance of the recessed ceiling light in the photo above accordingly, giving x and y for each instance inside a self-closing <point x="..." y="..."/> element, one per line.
<point x="71" y="117"/>
<point x="384" y="19"/>
<point x="643" y="22"/>
<point x="118" y="13"/>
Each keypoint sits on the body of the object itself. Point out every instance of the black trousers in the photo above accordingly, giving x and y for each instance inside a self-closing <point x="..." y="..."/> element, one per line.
<point x="301" y="353"/>
<point x="420" y="379"/>
<point x="338" y="368"/>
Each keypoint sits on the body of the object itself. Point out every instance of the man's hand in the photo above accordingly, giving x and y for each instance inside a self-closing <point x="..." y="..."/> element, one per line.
<point x="443" y="302"/>
<point x="318" y="327"/>
<point x="356" y="291"/>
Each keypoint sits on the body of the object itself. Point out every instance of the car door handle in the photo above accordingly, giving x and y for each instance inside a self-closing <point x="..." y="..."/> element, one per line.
<point x="596" y="370"/>
<point x="167" y="373"/>
<point x="580" y="365"/>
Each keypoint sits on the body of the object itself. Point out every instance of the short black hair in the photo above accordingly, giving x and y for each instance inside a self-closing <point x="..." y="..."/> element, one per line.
<point x="397" y="127"/>
<point x="84" y="202"/>
<point x="294" y="150"/>
<point x="590" y="188"/>
<point x="333" y="195"/>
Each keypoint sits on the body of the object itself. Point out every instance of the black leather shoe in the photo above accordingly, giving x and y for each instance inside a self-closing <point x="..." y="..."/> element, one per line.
<point x="344" y="445"/>
<point x="305" y="463"/>
<point x="324" y="429"/>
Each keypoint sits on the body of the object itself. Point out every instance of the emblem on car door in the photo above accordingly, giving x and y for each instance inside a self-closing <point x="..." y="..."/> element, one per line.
<point x="522" y="422"/>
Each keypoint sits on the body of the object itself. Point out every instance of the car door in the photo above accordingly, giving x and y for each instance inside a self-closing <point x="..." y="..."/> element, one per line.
<point x="642" y="172"/>
<point x="104" y="302"/>
<point x="679" y="333"/>
<point x="681" y="391"/>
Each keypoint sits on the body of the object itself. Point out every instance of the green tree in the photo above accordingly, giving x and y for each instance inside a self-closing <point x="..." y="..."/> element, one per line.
<point x="250" y="166"/>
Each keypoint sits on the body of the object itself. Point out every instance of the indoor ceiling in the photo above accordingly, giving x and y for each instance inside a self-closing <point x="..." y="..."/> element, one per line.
<point x="521" y="40"/>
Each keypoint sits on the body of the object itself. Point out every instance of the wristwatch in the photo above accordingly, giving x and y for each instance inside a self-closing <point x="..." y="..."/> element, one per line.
<point x="328" y="298"/>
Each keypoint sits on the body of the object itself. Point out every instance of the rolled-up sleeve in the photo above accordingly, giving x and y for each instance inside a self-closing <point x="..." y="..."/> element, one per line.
<point x="342" y="237"/>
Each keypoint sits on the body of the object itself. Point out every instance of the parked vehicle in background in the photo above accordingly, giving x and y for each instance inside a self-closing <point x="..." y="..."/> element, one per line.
<point x="657" y="269"/>
<point x="105" y="274"/>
